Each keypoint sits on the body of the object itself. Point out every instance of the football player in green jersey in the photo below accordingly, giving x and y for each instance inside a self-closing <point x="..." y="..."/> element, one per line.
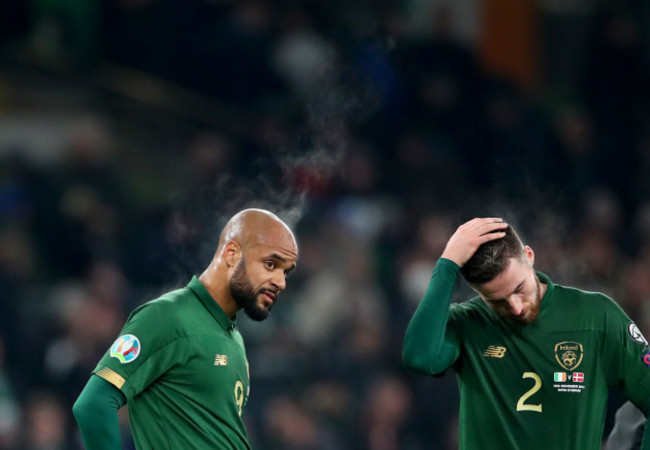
<point x="534" y="360"/>
<point x="179" y="362"/>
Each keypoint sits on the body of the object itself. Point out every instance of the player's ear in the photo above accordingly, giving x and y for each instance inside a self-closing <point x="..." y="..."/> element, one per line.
<point x="232" y="253"/>
<point x="529" y="254"/>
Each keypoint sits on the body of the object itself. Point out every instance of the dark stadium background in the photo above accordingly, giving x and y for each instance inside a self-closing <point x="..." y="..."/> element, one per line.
<point x="130" y="129"/>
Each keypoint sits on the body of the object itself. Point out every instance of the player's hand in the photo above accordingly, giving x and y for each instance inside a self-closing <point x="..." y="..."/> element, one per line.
<point x="470" y="236"/>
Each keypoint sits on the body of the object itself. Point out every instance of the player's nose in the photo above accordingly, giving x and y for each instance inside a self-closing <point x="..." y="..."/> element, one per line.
<point x="516" y="305"/>
<point x="280" y="281"/>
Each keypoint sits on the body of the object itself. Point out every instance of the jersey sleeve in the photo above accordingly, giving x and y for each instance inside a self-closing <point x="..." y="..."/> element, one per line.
<point x="628" y="364"/>
<point x="96" y="414"/>
<point x="430" y="346"/>
<point x="146" y="348"/>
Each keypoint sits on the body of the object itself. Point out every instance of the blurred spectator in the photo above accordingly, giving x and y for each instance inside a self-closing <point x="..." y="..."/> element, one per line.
<point x="385" y="416"/>
<point x="302" y="56"/>
<point x="293" y="428"/>
<point x="10" y="408"/>
<point x="87" y="324"/>
<point x="616" y="92"/>
<point x="46" y="423"/>
<point x="81" y="221"/>
<point x="578" y="163"/>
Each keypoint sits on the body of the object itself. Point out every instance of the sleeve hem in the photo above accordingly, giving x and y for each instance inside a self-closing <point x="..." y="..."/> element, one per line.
<point x="112" y="377"/>
<point x="116" y="380"/>
<point x="448" y="264"/>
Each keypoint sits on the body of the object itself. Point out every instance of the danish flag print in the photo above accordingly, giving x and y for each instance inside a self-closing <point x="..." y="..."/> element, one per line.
<point x="578" y="377"/>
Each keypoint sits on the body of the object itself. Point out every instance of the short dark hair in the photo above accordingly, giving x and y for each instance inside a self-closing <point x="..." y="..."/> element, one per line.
<point x="493" y="257"/>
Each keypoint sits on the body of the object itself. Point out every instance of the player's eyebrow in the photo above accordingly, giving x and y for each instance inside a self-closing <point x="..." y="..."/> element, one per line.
<point x="495" y="300"/>
<point x="281" y="259"/>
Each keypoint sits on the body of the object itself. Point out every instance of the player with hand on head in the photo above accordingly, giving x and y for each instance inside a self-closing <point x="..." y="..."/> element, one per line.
<point x="180" y="363"/>
<point x="534" y="360"/>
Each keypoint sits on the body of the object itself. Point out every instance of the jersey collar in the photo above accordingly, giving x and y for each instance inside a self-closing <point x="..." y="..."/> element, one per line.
<point x="548" y="295"/>
<point x="211" y="305"/>
<point x="550" y="287"/>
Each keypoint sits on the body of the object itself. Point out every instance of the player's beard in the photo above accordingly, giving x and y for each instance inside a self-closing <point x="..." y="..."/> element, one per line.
<point x="533" y="310"/>
<point x="245" y="295"/>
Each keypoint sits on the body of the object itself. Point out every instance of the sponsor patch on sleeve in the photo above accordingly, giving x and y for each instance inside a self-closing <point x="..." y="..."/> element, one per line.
<point x="636" y="334"/>
<point x="126" y="348"/>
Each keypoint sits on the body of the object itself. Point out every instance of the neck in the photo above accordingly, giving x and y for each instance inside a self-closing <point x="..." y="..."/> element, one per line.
<point x="542" y="288"/>
<point x="218" y="289"/>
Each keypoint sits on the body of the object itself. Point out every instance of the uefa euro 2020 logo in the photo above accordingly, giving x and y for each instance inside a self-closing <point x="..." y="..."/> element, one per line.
<point x="126" y="348"/>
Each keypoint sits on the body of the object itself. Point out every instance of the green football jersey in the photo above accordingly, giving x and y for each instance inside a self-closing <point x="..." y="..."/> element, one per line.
<point x="542" y="385"/>
<point x="182" y="367"/>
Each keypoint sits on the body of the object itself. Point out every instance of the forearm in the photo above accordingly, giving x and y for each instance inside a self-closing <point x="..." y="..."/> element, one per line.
<point x="96" y="413"/>
<point x="426" y="350"/>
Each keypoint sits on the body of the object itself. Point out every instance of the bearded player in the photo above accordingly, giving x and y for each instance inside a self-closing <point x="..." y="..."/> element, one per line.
<point x="180" y="363"/>
<point x="534" y="360"/>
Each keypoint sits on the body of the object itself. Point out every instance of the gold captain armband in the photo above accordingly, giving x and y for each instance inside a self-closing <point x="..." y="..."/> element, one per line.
<point x="112" y="377"/>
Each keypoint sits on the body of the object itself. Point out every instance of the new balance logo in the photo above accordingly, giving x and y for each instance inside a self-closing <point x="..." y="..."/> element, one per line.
<point x="495" y="352"/>
<point x="221" y="360"/>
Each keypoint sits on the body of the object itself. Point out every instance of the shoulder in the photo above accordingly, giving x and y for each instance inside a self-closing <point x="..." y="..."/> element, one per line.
<point x="167" y="313"/>
<point x="594" y="310"/>
<point x="579" y="298"/>
<point x="174" y="318"/>
<point x="469" y="308"/>
<point x="166" y="303"/>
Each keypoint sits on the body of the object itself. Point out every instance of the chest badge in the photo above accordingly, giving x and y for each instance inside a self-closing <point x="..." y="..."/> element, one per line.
<point x="569" y="354"/>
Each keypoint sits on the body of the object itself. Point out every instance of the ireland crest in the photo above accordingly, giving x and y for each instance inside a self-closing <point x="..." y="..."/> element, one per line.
<point x="568" y="354"/>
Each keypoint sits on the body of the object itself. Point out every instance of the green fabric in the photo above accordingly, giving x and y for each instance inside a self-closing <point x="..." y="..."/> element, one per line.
<point x="96" y="413"/>
<point x="516" y="389"/>
<point x="426" y="350"/>
<point x="188" y="382"/>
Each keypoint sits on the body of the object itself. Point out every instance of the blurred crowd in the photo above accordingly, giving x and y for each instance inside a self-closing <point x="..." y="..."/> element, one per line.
<point x="374" y="128"/>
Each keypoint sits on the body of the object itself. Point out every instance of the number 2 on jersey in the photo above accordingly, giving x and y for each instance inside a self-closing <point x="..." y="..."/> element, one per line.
<point x="521" y="404"/>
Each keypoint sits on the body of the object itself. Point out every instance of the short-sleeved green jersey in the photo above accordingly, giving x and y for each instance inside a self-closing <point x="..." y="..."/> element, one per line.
<point x="536" y="386"/>
<point x="182" y="367"/>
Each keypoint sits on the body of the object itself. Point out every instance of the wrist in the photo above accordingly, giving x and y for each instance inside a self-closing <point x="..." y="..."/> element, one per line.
<point x="448" y="263"/>
<point x="452" y="258"/>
